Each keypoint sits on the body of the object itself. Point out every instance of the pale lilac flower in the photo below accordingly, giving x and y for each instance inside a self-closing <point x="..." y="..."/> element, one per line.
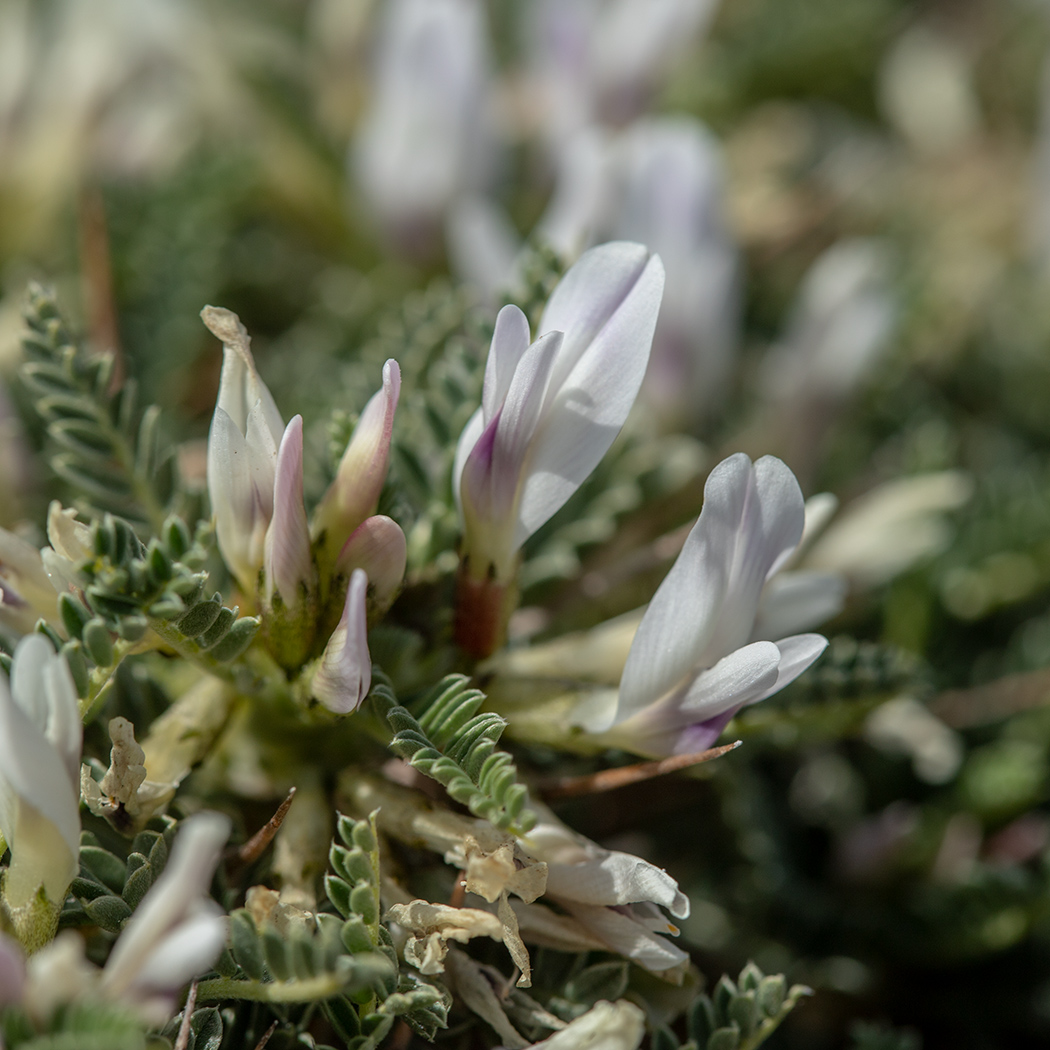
<point x="177" y="931"/>
<point x="40" y="741"/>
<point x="603" y="59"/>
<point x="694" y="661"/>
<point x="424" y="138"/>
<point x="344" y="676"/>
<point x="549" y="412"/>
<point x="842" y="322"/>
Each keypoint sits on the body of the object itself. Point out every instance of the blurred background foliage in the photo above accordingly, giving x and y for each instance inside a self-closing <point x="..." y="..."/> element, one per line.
<point x="884" y="834"/>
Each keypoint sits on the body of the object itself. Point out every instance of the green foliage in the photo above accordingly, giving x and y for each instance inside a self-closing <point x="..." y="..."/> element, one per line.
<point x="108" y="452"/>
<point x="130" y="587"/>
<point x="868" y="1035"/>
<point x="738" y="1015"/>
<point x="456" y="746"/>
<point x="205" y="1029"/>
<point x="108" y="887"/>
<point x="83" y="1025"/>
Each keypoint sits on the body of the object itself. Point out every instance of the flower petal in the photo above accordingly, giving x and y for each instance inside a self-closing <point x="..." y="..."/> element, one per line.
<point x="793" y="601"/>
<point x="345" y="675"/>
<point x="289" y="564"/>
<point x="378" y="547"/>
<point x="608" y="304"/>
<point x="623" y="935"/>
<point x="616" y="878"/>
<point x="354" y="493"/>
<point x="705" y="608"/>
<point x="178" y="895"/>
<point x="510" y="340"/>
<point x="796" y="654"/>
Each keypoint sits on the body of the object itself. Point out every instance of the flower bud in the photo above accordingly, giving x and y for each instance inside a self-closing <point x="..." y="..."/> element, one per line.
<point x="354" y="494"/>
<point x="245" y="433"/>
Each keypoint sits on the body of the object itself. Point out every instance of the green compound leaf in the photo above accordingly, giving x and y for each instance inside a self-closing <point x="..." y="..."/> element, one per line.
<point x="108" y="452"/>
<point x="741" y="1014"/>
<point x="456" y="746"/>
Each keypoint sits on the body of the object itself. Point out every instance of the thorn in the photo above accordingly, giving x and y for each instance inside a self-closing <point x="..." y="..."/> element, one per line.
<point x="609" y="779"/>
<point x="183" y="1039"/>
<point x="253" y="849"/>
<point x="266" y="1036"/>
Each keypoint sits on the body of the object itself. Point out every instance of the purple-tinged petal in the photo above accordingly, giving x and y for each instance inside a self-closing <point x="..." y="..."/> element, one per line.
<point x="345" y="674"/>
<point x="288" y="561"/>
<point x="12" y="972"/>
<point x="354" y="494"/>
<point x="378" y="547"/>
<point x="706" y="606"/>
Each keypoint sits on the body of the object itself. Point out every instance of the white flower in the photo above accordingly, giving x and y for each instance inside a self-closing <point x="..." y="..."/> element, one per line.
<point x="424" y="137"/>
<point x="550" y="410"/>
<point x="602" y="59"/>
<point x="694" y="661"/>
<point x="670" y="195"/>
<point x="177" y="932"/>
<point x="40" y="741"/>
<point x="605" y="1026"/>
<point x="842" y="322"/>
<point x="616" y="897"/>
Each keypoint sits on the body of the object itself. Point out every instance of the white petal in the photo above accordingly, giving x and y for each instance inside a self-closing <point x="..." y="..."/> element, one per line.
<point x="345" y="675"/>
<point x="736" y="679"/>
<point x="378" y="547"/>
<point x="796" y="654"/>
<point x="510" y="340"/>
<point x="355" y="491"/>
<point x="616" y="878"/>
<point x="35" y="771"/>
<point x="467" y="440"/>
<point x="795" y="601"/>
<point x="600" y="367"/>
<point x="629" y="938"/>
<point x="752" y="518"/>
<point x="174" y="897"/>
<point x="189" y="950"/>
<point x="605" y="1026"/>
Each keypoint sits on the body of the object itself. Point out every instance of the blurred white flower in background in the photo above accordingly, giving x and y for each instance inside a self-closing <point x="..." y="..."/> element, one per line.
<point x="424" y="138"/>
